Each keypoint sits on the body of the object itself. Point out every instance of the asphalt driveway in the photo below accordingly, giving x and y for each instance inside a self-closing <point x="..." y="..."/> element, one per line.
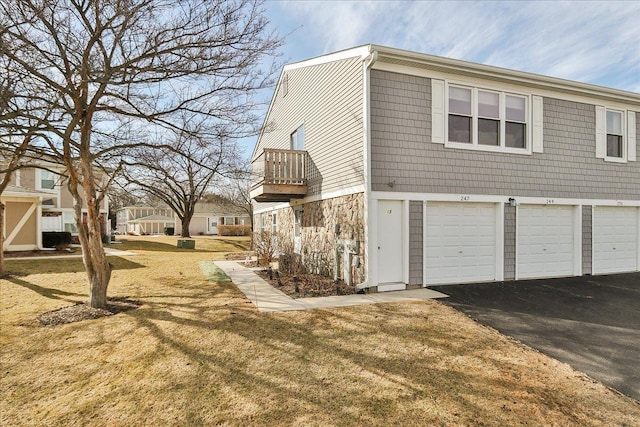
<point x="590" y="322"/>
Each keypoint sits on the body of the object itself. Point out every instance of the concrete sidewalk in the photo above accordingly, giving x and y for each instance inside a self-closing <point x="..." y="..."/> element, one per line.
<point x="266" y="298"/>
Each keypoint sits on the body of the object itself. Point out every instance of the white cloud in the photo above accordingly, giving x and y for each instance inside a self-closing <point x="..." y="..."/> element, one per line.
<point x="597" y="42"/>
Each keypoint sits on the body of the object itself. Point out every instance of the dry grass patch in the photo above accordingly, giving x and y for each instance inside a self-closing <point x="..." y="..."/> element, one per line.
<point x="197" y="353"/>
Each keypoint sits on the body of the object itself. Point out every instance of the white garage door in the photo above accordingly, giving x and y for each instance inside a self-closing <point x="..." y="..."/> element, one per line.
<point x="545" y="241"/>
<point x="461" y="242"/>
<point x="615" y="239"/>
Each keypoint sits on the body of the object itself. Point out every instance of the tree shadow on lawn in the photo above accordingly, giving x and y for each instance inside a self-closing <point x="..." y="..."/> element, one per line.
<point x="51" y="293"/>
<point x="146" y="245"/>
<point x="290" y="343"/>
<point x="23" y="267"/>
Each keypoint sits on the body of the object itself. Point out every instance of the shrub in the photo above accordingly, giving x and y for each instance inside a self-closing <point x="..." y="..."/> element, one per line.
<point x="168" y="231"/>
<point x="234" y="230"/>
<point x="265" y="245"/>
<point x="51" y="239"/>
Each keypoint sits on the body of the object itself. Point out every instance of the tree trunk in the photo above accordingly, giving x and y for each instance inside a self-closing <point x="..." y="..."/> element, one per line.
<point x="2" y="272"/>
<point x="186" y="222"/>
<point x="93" y="256"/>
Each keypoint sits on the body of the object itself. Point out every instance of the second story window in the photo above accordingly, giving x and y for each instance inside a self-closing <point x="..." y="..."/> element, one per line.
<point x="614" y="134"/>
<point x="297" y="139"/>
<point x="47" y="180"/>
<point x="487" y="120"/>
<point x="460" y="115"/>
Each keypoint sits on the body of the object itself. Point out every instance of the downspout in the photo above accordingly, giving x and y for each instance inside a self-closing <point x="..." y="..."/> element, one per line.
<point x="368" y="62"/>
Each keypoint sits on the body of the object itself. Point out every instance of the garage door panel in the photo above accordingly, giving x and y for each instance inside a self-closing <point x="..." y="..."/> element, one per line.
<point x="615" y="239"/>
<point x="461" y="242"/>
<point x="546" y="246"/>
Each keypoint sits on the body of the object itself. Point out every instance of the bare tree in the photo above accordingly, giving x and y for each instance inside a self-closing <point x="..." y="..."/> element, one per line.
<point x="237" y="189"/>
<point x="183" y="176"/>
<point x="112" y="72"/>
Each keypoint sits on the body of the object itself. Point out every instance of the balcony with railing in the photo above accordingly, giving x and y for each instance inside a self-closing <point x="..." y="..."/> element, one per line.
<point x="279" y="175"/>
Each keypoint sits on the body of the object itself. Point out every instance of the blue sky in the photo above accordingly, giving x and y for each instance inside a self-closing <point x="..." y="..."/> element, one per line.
<point x="589" y="41"/>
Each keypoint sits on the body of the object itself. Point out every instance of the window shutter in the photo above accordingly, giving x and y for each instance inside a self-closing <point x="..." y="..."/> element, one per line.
<point x="601" y="132"/>
<point x="537" y="124"/>
<point x="631" y="136"/>
<point x="438" y="113"/>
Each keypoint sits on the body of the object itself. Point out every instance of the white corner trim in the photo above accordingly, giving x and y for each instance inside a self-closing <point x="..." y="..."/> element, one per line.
<point x="500" y="242"/>
<point x="406" y="240"/>
<point x="424" y="243"/>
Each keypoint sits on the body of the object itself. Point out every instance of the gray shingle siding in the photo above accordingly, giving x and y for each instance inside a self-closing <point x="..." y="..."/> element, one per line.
<point x="587" y="238"/>
<point x="402" y="154"/>
<point x="509" y="242"/>
<point x="415" y="242"/>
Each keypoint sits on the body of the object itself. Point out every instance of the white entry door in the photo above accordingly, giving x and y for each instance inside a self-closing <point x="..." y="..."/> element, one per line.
<point x="213" y="226"/>
<point x="615" y="239"/>
<point x="460" y="242"/>
<point x="546" y="244"/>
<point x="390" y="260"/>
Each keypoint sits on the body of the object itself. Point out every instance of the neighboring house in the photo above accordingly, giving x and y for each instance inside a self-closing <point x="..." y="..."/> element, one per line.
<point x="209" y="215"/>
<point x="141" y="220"/>
<point x="37" y="200"/>
<point x="149" y="220"/>
<point x="395" y="169"/>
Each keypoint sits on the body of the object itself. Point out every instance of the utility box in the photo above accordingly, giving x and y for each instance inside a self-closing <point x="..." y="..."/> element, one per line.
<point x="186" y="243"/>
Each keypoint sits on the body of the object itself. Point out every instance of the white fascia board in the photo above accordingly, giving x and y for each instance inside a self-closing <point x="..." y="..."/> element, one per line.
<point x="488" y="198"/>
<point x="271" y="208"/>
<point x="456" y="66"/>
<point x="360" y="51"/>
<point x="323" y="196"/>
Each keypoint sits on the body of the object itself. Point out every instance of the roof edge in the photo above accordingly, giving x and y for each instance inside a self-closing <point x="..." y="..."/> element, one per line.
<point x="457" y="65"/>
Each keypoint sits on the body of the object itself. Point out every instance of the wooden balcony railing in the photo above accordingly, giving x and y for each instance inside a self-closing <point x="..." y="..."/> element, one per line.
<point x="279" y="175"/>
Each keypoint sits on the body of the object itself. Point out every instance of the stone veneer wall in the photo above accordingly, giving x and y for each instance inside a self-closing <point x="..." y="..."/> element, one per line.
<point x="319" y="231"/>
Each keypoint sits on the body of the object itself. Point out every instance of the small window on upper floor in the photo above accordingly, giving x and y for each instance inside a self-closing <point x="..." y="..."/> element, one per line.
<point x="47" y="180"/>
<point x="284" y="86"/>
<point x="615" y="147"/>
<point x="297" y="139"/>
<point x="615" y="134"/>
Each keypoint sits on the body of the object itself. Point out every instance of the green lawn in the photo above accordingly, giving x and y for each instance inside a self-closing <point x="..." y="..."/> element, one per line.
<point x="198" y="353"/>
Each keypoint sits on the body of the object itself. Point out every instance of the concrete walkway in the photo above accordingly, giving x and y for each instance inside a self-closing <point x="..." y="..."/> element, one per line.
<point x="266" y="298"/>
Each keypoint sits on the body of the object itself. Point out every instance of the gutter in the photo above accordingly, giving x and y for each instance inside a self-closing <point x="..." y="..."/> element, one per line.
<point x="368" y="62"/>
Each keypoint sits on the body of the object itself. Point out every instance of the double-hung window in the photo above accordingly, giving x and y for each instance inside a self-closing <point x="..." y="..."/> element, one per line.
<point x="615" y="148"/>
<point x="487" y="119"/>
<point x="47" y="180"/>
<point x="460" y="114"/>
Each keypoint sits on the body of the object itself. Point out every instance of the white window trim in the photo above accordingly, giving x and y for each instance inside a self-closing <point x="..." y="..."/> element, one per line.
<point x="53" y="190"/>
<point x="623" y="142"/>
<point x="474" y="121"/>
